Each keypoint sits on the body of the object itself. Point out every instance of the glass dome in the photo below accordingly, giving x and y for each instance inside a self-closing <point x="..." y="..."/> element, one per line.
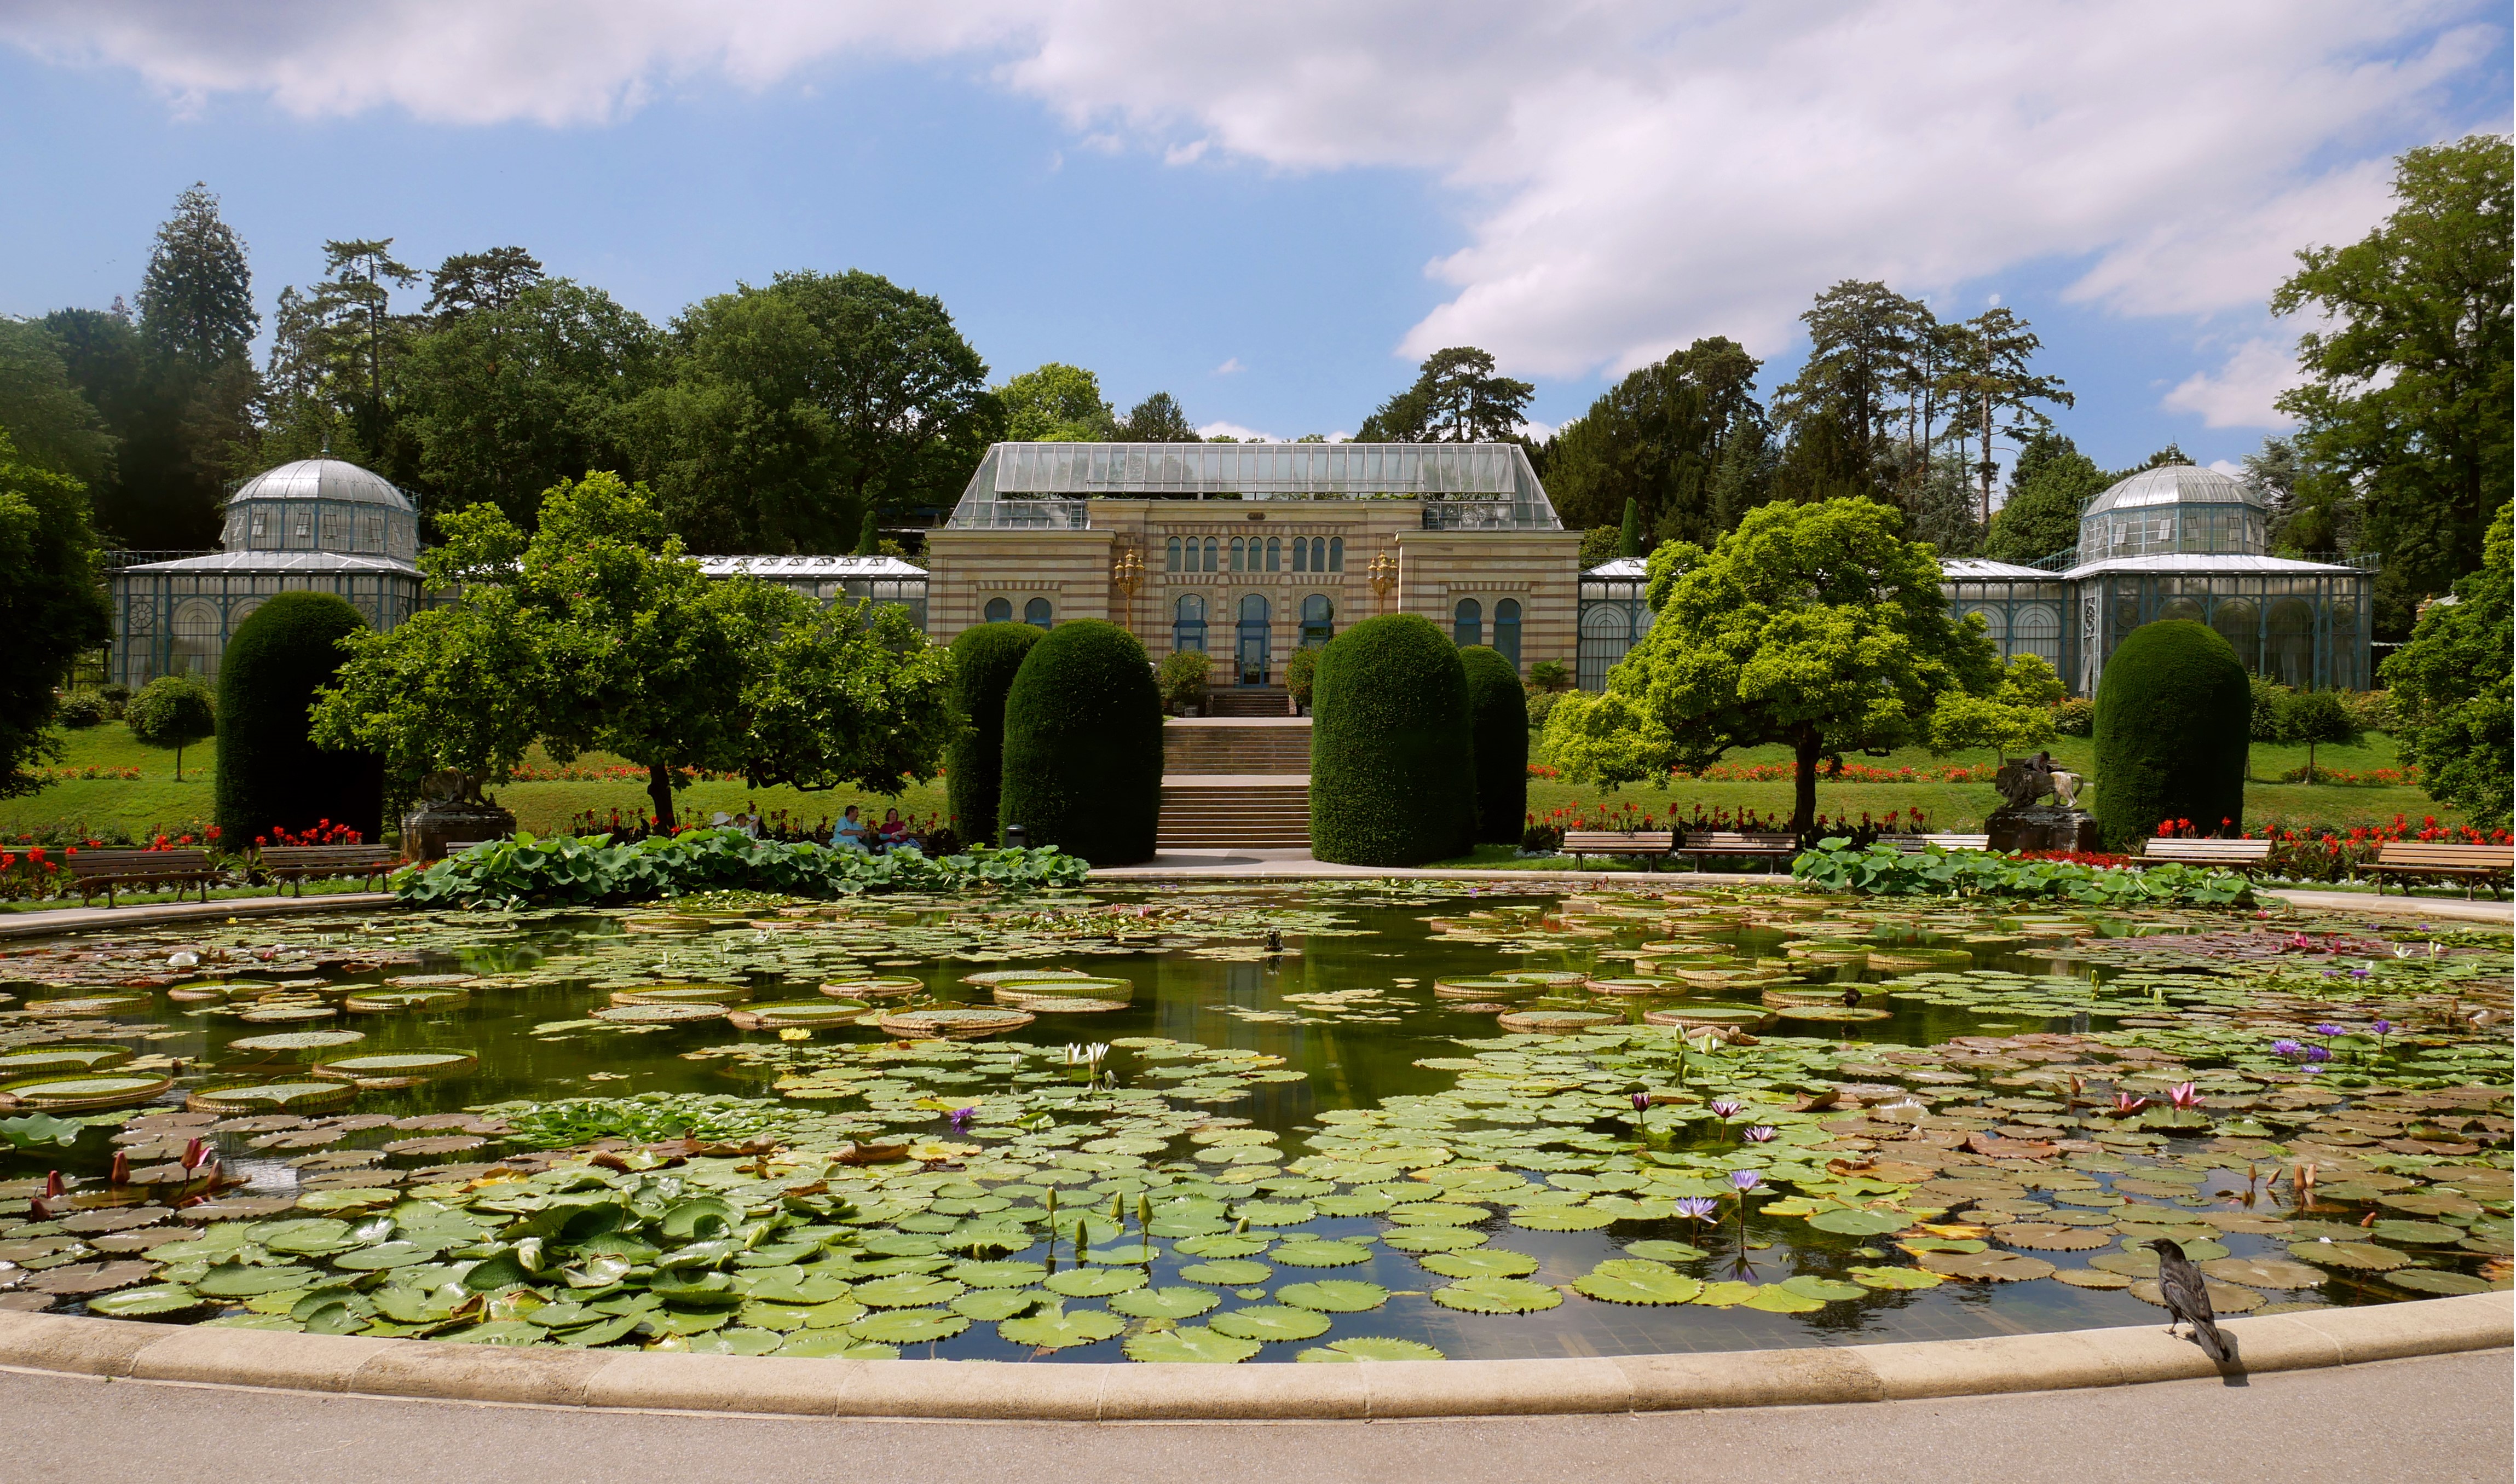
<point x="321" y="504"/>
<point x="2176" y="508"/>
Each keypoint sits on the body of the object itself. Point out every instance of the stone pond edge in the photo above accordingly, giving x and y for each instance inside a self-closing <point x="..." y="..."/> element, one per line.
<point x="795" y="1386"/>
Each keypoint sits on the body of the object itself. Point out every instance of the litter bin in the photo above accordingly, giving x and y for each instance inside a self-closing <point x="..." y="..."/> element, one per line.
<point x="1017" y="838"/>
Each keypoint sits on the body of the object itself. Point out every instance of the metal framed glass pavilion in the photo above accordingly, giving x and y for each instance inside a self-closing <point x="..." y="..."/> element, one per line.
<point x="1465" y="487"/>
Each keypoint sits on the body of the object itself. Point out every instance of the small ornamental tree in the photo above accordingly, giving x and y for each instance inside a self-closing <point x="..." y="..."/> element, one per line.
<point x="1629" y="534"/>
<point x="2453" y="699"/>
<point x="2172" y="715"/>
<point x="52" y="605"/>
<point x="1498" y="723"/>
<point x="1393" y="770"/>
<point x="173" y="711"/>
<point x="1814" y="626"/>
<point x="985" y="660"/>
<point x="1084" y="745"/>
<point x="2016" y="716"/>
<point x="271" y="773"/>
<point x="2315" y="717"/>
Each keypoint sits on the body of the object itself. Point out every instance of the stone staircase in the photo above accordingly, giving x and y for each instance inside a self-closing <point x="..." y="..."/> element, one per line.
<point x="1237" y="744"/>
<point x="1250" y="701"/>
<point x="1247" y="812"/>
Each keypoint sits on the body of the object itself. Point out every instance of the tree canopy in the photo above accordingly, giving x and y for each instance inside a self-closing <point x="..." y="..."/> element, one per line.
<point x="1158" y="419"/>
<point x="1057" y="404"/>
<point x="2052" y="484"/>
<point x="1457" y="398"/>
<point x="1814" y="626"/>
<point x="1655" y="442"/>
<point x="2453" y="688"/>
<point x="50" y="606"/>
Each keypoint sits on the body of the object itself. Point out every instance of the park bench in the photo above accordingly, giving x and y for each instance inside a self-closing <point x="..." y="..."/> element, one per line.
<point x="2414" y="859"/>
<point x="297" y="863"/>
<point x="103" y="870"/>
<point x="1651" y="845"/>
<point x="1721" y="843"/>
<point x="1915" y="844"/>
<point x="2230" y="855"/>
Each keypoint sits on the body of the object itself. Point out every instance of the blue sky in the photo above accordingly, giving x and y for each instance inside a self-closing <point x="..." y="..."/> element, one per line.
<point x="1272" y="226"/>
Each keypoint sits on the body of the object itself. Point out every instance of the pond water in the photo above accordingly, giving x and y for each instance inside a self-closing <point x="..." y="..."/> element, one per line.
<point x="1321" y="1121"/>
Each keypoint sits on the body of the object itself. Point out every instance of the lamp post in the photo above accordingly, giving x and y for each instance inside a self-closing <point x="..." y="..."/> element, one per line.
<point x="1126" y="574"/>
<point x="1383" y="573"/>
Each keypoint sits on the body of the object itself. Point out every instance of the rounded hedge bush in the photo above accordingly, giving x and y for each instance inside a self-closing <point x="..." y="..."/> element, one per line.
<point x="271" y="776"/>
<point x="1084" y="745"/>
<point x="173" y="711"/>
<point x="1393" y="778"/>
<point x="1498" y="721"/>
<point x="985" y="660"/>
<point x="2174" y="713"/>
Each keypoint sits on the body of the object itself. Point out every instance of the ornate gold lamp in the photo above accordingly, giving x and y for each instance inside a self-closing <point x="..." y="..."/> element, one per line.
<point x="1383" y="573"/>
<point x="1127" y="575"/>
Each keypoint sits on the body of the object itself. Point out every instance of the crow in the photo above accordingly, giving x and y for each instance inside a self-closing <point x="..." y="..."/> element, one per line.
<point x="2187" y="1298"/>
<point x="1852" y="999"/>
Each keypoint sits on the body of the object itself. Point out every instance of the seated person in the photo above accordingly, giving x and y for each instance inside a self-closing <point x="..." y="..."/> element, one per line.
<point x="894" y="829"/>
<point x="852" y="830"/>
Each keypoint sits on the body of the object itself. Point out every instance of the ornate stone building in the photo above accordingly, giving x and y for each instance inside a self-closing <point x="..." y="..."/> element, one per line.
<point x="1247" y="551"/>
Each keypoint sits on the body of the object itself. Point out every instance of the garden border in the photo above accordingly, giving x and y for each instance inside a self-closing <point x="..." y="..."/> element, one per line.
<point x="775" y="1385"/>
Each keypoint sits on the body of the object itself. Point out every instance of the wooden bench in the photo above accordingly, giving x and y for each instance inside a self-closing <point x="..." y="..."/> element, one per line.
<point x="1915" y="844"/>
<point x="367" y="863"/>
<point x="1649" y="844"/>
<point x="1720" y="843"/>
<point x="2230" y="855"/>
<point x="2414" y="859"/>
<point x="103" y="870"/>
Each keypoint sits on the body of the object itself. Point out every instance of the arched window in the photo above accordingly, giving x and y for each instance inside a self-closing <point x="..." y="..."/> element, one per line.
<point x="2236" y="622"/>
<point x="1468" y="623"/>
<point x="1318" y="617"/>
<point x="2291" y="643"/>
<point x="1001" y="611"/>
<point x="1301" y="555"/>
<point x="1319" y="553"/>
<point x="1238" y="563"/>
<point x="1336" y="553"/>
<point x="1507" y="630"/>
<point x="1211" y="552"/>
<point x="1171" y="554"/>
<point x="1274" y="554"/>
<point x="1037" y="612"/>
<point x="1188" y="625"/>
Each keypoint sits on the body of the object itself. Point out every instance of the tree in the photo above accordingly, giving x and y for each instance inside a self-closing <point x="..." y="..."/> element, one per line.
<point x="1084" y="745"/>
<point x="1393" y="765"/>
<point x="508" y="398"/>
<point x="1629" y="535"/>
<point x="172" y="711"/>
<point x="337" y="348"/>
<point x="2173" y="714"/>
<point x="1988" y="376"/>
<point x="1814" y="626"/>
<point x="41" y="410"/>
<point x="2315" y="717"/>
<point x="1860" y="336"/>
<point x="596" y="632"/>
<point x="1656" y="437"/>
<point x="467" y="283"/>
<point x="2016" y="716"/>
<point x="52" y="605"/>
<point x="793" y="409"/>
<point x="1057" y="404"/>
<point x="2051" y="484"/>
<point x="2408" y="397"/>
<point x="1158" y="419"/>
<point x="2453" y="690"/>
<point x="1457" y="398"/>
<point x="196" y="296"/>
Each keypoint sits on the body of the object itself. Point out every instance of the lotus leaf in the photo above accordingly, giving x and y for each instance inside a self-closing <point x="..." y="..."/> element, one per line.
<point x="1496" y="1295"/>
<point x="1370" y="1347"/>
<point x="1895" y="1279"/>
<point x="1193" y="1343"/>
<point x="1495" y="1262"/>
<point x="1321" y="1253"/>
<point x="1164" y="1303"/>
<point x="1332" y="1295"/>
<point x="1061" y="1330"/>
<point x="1270" y="1321"/>
<point x="1228" y="1273"/>
<point x="1084" y="1282"/>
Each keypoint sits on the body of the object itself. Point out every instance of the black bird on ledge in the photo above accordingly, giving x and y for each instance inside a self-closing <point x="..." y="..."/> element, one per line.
<point x="2187" y="1298"/>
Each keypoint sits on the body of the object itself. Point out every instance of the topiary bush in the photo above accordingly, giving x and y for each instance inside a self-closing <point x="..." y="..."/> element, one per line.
<point x="1183" y="680"/>
<point x="1498" y="724"/>
<point x="1084" y="745"/>
<point x="2075" y="716"/>
<point x="173" y="711"/>
<point x="1393" y="776"/>
<point x="80" y="710"/>
<point x="270" y="775"/>
<point x="2173" y="716"/>
<point x="985" y="660"/>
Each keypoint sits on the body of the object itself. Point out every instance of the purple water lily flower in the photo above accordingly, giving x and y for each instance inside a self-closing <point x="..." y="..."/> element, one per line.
<point x="1695" y="1208"/>
<point x="2329" y="1029"/>
<point x="1758" y="1134"/>
<point x="961" y="1118"/>
<point x="2361" y="973"/>
<point x="1746" y="1180"/>
<point x="2318" y="1054"/>
<point x="1723" y="1108"/>
<point x="2382" y="1028"/>
<point x="1642" y="1102"/>
<point x="2289" y="1048"/>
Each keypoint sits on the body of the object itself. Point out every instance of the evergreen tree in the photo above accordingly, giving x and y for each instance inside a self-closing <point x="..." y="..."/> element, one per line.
<point x="197" y="297"/>
<point x="1629" y="536"/>
<point x="2051" y="484"/>
<point x="1457" y="398"/>
<point x="1159" y="419"/>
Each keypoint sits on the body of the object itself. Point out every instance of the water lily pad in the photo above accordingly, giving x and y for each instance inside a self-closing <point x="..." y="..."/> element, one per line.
<point x="2265" y="1272"/>
<point x="1433" y="1239"/>
<point x="237" y="1280"/>
<point x="994" y="1304"/>
<point x="1488" y="1262"/>
<point x="152" y="1301"/>
<point x="1228" y="1273"/>
<point x="1777" y="1299"/>
<point x="1560" y="1219"/>
<point x="1639" y="1282"/>
<point x="2426" y="1280"/>
<point x="1332" y="1295"/>
<point x="1725" y="1295"/>
<point x="1191" y="1343"/>
<point x="1166" y="1303"/>
<point x="2092" y="1277"/>
<point x="997" y="1275"/>
<point x="1090" y="1282"/>
<point x="1496" y="1295"/>
<point x="1661" y="1251"/>
<point x="1896" y="1278"/>
<point x="904" y="1326"/>
<point x="906" y="1290"/>
<point x="295" y="1042"/>
<point x="1824" y="1289"/>
<point x="1860" y="1223"/>
<point x="83" y="1091"/>
<point x="2364" y="1257"/>
<point x="1270" y="1321"/>
<point x="2225" y="1297"/>
<point x="1319" y="1253"/>
<point x="1061" y="1330"/>
<point x="2044" y="1237"/>
<point x="1370" y="1347"/>
<point x="1986" y="1267"/>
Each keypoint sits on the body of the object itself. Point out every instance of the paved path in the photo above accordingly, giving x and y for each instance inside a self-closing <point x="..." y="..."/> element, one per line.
<point x="2442" y="1420"/>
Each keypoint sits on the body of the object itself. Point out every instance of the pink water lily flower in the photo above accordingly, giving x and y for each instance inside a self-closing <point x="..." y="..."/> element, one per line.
<point x="2184" y="1095"/>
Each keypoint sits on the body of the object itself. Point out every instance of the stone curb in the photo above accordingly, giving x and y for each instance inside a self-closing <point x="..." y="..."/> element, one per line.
<point x="78" y="920"/>
<point x="772" y="1385"/>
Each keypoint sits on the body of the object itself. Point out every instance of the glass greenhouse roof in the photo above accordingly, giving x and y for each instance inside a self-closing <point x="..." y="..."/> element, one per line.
<point x="1492" y="474"/>
<point x="2174" y="484"/>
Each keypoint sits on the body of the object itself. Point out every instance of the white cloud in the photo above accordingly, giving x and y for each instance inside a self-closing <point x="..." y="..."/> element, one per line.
<point x="1235" y="430"/>
<point x="2240" y="392"/>
<point x="1231" y="367"/>
<point x="1630" y="175"/>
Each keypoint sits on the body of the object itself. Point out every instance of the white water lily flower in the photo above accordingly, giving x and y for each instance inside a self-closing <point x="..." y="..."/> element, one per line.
<point x="183" y="960"/>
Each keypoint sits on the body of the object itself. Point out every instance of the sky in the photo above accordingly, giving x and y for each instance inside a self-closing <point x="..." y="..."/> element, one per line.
<point x="1274" y="212"/>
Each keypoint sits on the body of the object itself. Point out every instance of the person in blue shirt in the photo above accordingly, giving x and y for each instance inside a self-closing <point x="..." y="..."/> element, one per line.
<point x="851" y="830"/>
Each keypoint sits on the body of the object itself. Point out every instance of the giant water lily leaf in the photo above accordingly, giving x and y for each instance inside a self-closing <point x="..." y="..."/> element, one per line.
<point x="1637" y="1282"/>
<point x="1496" y="1295"/>
<point x="1270" y="1321"/>
<point x="1370" y="1347"/>
<point x="1333" y="1296"/>
<point x="2365" y="1257"/>
<point x="902" y="1327"/>
<point x="1061" y="1330"/>
<point x="1321" y="1253"/>
<point x="1228" y="1273"/>
<point x="1192" y="1343"/>
<point x="1087" y="1281"/>
<point x="1490" y="1263"/>
<point x="1895" y="1279"/>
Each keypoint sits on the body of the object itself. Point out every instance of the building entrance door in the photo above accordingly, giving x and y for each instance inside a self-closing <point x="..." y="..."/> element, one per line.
<point x="1253" y="639"/>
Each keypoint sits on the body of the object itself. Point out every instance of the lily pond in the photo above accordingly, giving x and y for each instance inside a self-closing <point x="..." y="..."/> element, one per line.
<point x="1333" y="1122"/>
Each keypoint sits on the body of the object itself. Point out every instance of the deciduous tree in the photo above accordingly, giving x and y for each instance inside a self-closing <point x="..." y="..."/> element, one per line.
<point x="52" y="605"/>
<point x="2453" y="688"/>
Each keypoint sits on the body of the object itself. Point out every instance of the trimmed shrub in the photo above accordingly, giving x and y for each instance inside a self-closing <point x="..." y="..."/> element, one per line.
<point x="1541" y="705"/>
<point x="2374" y="710"/>
<point x="1183" y="679"/>
<point x="2075" y="716"/>
<point x="1393" y="775"/>
<point x="1498" y="724"/>
<point x="1084" y="745"/>
<point x="985" y="660"/>
<point x="2173" y="717"/>
<point x="79" y="710"/>
<point x="2270" y="716"/>
<point x="270" y="775"/>
<point x="1301" y="673"/>
<point x="173" y="711"/>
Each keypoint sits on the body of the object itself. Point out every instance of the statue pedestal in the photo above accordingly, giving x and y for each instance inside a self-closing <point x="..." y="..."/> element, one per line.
<point x="2040" y="826"/>
<point x="425" y="830"/>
